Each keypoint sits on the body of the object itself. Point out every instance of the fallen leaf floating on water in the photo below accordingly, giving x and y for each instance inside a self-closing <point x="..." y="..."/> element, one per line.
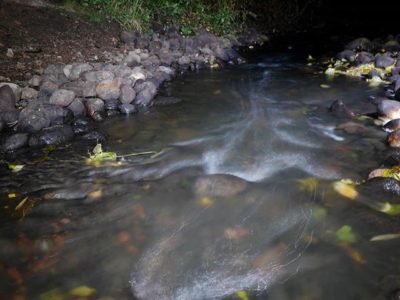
<point x="12" y="195"/>
<point x="325" y="86"/>
<point x="21" y="204"/>
<point x="82" y="291"/>
<point x="54" y="294"/>
<point x="98" y="155"/>
<point x="392" y="173"/>
<point x="330" y="71"/>
<point x="345" y="235"/>
<point x="15" y="168"/>
<point x="385" y="237"/>
<point x="389" y="209"/>
<point x="308" y="184"/>
<point x="346" y="188"/>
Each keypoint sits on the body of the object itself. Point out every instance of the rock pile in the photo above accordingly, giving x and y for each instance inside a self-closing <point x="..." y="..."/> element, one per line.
<point x="58" y="104"/>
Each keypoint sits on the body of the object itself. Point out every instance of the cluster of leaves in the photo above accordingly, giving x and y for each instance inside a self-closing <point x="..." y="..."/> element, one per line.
<point x="221" y="16"/>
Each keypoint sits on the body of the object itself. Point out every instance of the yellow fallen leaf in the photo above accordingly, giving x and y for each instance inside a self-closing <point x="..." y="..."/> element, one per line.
<point x="385" y="237"/>
<point x="308" y="184"/>
<point x="346" y="188"/>
<point x="95" y="194"/>
<point x="242" y="295"/>
<point x="206" y="201"/>
<point x="12" y="195"/>
<point x="82" y="291"/>
<point x="325" y="86"/>
<point x="54" y="294"/>
<point x="21" y="204"/>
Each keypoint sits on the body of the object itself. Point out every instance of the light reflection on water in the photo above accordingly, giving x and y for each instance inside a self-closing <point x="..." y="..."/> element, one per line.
<point x="143" y="228"/>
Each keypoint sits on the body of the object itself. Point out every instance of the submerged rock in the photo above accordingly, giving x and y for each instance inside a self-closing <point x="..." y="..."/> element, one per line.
<point x="219" y="185"/>
<point x="393" y="139"/>
<point x="15" y="141"/>
<point x="389" y="109"/>
<point x="341" y="110"/>
<point x="392" y="125"/>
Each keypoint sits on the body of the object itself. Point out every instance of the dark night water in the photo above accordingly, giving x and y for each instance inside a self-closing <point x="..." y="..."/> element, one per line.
<point x="140" y="228"/>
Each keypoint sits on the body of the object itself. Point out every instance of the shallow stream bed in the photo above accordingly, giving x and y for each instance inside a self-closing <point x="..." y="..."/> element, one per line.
<point x="161" y="226"/>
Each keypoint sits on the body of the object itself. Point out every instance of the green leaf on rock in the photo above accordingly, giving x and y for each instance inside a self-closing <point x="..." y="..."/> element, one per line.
<point x="345" y="234"/>
<point x="242" y="295"/>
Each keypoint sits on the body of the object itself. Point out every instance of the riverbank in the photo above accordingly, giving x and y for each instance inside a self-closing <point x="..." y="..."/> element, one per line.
<point x="60" y="73"/>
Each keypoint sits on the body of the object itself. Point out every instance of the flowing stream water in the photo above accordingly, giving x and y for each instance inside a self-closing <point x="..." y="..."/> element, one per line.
<point x="165" y="226"/>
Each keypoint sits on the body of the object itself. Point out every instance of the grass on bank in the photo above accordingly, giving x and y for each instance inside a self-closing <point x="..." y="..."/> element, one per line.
<point x="219" y="16"/>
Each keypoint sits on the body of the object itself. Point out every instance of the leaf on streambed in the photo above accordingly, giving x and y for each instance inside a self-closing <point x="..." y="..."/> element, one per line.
<point x="375" y="81"/>
<point x="319" y="214"/>
<point x="330" y="71"/>
<point x="21" y="204"/>
<point x="385" y="237"/>
<point x="325" y="86"/>
<point x="390" y="209"/>
<point x="242" y="295"/>
<point x="392" y="173"/>
<point x="54" y="294"/>
<point x="15" y="168"/>
<point x="12" y="195"/>
<point x="98" y="155"/>
<point x="82" y="291"/>
<point x="308" y="184"/>
<point x="346" y="188"/>
<point x="206" y="201"/>
<point x="354" y="254"/>
<point x="345" y="234"/>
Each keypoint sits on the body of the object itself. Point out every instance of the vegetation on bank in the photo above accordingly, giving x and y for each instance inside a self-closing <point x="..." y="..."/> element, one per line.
<point x="219" y="16"/>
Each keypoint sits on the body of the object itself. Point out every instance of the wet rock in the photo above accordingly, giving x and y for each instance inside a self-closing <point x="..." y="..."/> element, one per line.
<point x="82" y="125"/>
<point x="9" y="117"/>
<point x="97" y="76"/>
<point x="384" y="61"/>
<point x="137" y="74"/>
<point x="392" y="125"/>
<point x="132" y="59"/>
<point x="393" y="139"/>
<point x="146" y="93"/>
<point x="364" y="57"/>
<point x="29" y="93"/>
<point x="127" y="94"/>
<point x="15" y="89"/>
<point x="389" y="109"/>
<point x="109" y="89"/>
<point x="392" y="157"/>
<point x="15" y="141"/>
<point x="184" y="60"/>
<point x="360" y="44"/>
<point x="397" y="89"/>
<point x="7" y="99"/>
<point x="341" y="110"/>
<point x="111" y="104"/>
<point x="354" y="128"/>
<point x="56" y="135"/>
<point x="77" y="107"/>
<point x="77" y="70"/>
<point x="93" y="136"/>
<point x="32" y="120"/>
<point x="35" y="81"/>
<point x="376" y="185"/>
<point x="62" y="97"/>
<point x="95" y="108"/>
<point x="219" y="185"/>
<point x="348" y="55"/>
<point x="84" y="89"/>
<point x="56" y="114"/>
<point x="127" y="108"/>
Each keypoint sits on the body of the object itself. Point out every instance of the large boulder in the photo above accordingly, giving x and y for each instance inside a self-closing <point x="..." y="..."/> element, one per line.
<point x="389" y="109"/>
<point x="29" y="93"/>
<point x="360" y="44"/>
<point x="32" y="119"/>
<point x="62" y="97"/>
<point x="109" y="89"/>
<point x="95" y="108"/>
<point x="74" y="71"/>
<point x="341" y="110"/>
<point x="132" y="59"/>
<point x="145" y="93"/>
<point x="15" y="89"/>
<point x="348" y="55"/>
<point x="77" y="107"/>
<point x="128" y="94"/>
<point x="81" y="88"/>
<point x="7" y="99"/>
<point x="384" y="61"/>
